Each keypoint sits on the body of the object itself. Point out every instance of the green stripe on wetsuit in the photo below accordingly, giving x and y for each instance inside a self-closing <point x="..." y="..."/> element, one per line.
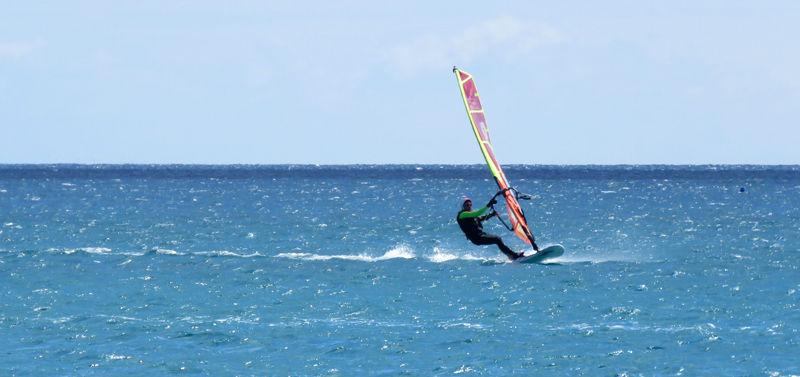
<point x="471" y="214"/>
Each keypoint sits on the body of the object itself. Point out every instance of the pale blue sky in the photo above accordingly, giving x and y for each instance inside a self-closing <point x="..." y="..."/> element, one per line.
<point x="323" y="82"/>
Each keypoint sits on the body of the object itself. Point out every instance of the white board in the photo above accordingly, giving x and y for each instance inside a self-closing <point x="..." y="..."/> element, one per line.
<point x="543" y="255"/>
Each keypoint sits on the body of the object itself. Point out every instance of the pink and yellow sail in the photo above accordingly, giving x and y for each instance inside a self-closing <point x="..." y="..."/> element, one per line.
<point x="478" y="120"/>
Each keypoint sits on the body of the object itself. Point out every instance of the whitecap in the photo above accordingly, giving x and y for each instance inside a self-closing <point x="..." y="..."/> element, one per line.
<point x="225" y="253"/>
<point x="90" y="250"/>
<point x="462" y="324"/>
<point x="95" y="250"/>
<point x="168" y="252"/>
<point x="62" y="320"/>
<point x="116" y="357"/>
<point x="464" y="369"/>
<point x="293" y="255"/>
<point x="237" y="319"/>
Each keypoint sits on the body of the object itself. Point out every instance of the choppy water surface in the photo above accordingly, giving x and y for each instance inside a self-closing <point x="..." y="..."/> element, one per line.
<point x="352" y="270"/>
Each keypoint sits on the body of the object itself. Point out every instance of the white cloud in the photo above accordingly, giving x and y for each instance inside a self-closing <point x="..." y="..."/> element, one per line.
<point x="17" y="50"/>
<point x="506" y="36"/>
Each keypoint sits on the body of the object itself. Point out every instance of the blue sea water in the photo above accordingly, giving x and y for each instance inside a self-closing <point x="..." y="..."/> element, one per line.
<point x="362" y="270"/>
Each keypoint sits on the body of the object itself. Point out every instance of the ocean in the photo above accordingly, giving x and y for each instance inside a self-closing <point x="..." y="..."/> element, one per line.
<point x="302" y="270"/>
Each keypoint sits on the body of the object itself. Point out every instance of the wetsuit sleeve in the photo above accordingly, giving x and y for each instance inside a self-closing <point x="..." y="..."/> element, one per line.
<point x="467" y="215"/>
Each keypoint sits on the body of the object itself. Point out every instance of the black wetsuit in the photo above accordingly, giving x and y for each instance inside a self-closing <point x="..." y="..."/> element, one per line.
<point x="471" y="222"/>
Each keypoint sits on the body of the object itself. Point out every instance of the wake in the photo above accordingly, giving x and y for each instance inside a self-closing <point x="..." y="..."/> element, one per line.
<point x="438" y="255"/>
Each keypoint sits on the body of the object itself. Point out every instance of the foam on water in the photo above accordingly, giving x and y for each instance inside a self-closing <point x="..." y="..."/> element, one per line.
<point x="401" y="252"/>
<point x="441" y="255"/>
<point x="89" y="250"/>
<point x="168" y="252"/>
<point x="225" y="253"/>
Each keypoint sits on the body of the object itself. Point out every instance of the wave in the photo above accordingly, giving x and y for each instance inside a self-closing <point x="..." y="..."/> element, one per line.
<point x="88" y="250"/>
<point x="225" y="253"/>
<point x="403" y="252"/>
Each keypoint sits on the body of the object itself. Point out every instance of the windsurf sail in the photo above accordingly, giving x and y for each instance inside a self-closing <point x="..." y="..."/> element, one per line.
<point x="519" y="225"/>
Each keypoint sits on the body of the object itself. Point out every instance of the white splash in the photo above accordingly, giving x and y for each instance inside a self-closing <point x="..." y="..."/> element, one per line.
<point x="402" y="251"/>
<point x="168" y="252"/>
<point x="90" y="250"/>
<point x="225" y="253"/>
<point x="441" y="255"/>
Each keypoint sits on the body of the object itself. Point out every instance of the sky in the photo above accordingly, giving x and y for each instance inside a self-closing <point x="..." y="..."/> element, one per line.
<point x="371" y="82"/>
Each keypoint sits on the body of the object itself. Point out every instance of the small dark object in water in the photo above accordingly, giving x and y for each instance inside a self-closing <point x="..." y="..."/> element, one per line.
<point x="741" y="189"/>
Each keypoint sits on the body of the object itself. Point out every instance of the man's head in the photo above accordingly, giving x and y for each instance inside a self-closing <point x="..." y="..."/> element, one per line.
<point x="467" y="205"/>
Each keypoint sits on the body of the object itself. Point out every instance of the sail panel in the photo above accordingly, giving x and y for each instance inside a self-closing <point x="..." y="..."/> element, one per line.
<point x="471" y="95"/>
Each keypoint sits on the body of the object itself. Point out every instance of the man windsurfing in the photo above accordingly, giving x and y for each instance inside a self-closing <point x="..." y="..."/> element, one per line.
<point x="471" y="223"/>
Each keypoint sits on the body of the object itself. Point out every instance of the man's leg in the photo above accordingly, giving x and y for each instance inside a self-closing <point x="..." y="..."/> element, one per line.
<point x="491" y="239"/>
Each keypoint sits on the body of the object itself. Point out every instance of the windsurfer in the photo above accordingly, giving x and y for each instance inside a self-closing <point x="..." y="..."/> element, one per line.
<point x="471" y="222"/>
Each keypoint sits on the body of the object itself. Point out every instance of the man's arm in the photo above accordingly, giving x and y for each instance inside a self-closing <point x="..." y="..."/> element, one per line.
<point x="487" y="217"/>
<point x="471" y="214"/>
